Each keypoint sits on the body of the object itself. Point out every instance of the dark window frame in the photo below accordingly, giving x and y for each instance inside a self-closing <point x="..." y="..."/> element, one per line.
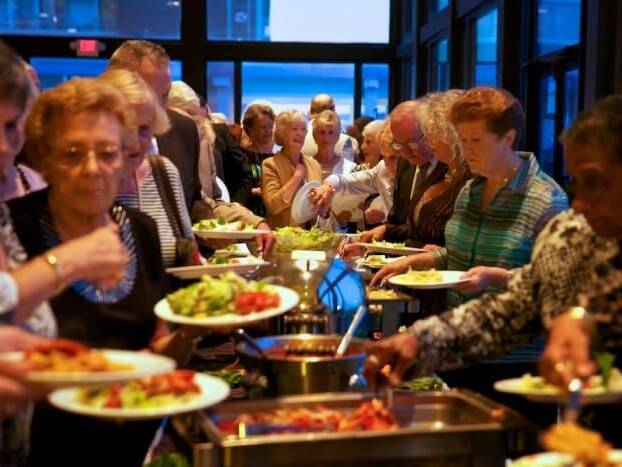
<point x="194" y="51"/>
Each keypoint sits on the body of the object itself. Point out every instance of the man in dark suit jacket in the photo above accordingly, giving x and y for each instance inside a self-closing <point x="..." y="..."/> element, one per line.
<point x="237" y="171"/>
<point x="181" y="145"/>
<point x="181" y="142"/>
<point x="413" y="168"/>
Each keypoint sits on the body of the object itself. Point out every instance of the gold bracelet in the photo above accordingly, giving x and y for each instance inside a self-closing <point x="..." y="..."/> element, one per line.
<point x="52" y="260"/>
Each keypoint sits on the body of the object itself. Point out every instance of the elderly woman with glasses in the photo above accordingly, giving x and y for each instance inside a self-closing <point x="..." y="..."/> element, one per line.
<point x="74" y="137"/>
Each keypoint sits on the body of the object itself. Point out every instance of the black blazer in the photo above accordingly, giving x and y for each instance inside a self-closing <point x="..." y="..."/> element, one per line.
<point x="237" y="171"/>
<point x="398" y="225"/>
<point x="181" y="145"/>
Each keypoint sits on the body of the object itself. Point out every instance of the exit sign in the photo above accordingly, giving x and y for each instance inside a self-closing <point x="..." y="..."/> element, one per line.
<point x="86" y="47"/>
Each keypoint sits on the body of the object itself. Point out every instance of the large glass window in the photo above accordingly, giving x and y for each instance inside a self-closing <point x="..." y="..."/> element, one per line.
<point x="292" y="85"/>
<point x="438" y="66"/>
<point x="375" y="99"/>
<point x="343" y="21"/>
<point x="154" y="19"/>
<point x="546" y="120"/>
<point x="559" y="24"/>
<point x="221" y="88"/>
<point x="486" y="50"/>
<point x="53" y="71"/>
<point x="434" y="6"/>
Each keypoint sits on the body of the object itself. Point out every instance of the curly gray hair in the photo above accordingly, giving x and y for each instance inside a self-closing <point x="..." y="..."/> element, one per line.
<point x="432" y="112"/>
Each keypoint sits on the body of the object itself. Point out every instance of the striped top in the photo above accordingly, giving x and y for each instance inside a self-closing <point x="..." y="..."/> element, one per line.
<point x="148" y="201"/>
<point x="504" y="234"/>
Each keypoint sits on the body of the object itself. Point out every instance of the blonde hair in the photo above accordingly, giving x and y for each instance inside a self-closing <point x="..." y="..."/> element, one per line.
<point x="185" y="100"/>
<point x="69" y="99"/>
<point x="327" y="118"/>
<point x="137" y="92"/>
<point x="374" y="127"/>
<point x="283" y="121"/>
<point x="433" y="114"/>
<point x="384" y="138"/>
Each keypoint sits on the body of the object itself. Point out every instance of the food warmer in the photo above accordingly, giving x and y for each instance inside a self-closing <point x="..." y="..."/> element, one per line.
<point x="449" y="428"/>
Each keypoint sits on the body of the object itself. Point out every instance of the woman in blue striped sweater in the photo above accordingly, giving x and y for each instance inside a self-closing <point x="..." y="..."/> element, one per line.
<point x="498" y="213"/>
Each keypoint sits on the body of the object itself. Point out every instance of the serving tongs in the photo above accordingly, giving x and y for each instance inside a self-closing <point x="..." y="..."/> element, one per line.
<point x="240" y="335"/>
<point x="572" y="409"/>
<point x="347" y="337"/>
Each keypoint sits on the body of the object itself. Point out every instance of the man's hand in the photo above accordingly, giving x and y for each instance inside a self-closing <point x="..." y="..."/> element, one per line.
<point x="482" y="277"/>
<point x="347" y="250"/>
<point x="567" y="351"/>
<point x="398" y="351"/>
<point x="373" y="216"/>
<point x="265" y="242"/>
<point x="390" y="270"/>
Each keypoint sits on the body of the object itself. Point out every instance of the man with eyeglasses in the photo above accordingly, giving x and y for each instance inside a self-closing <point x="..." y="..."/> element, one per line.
<point x="417" y="170"/>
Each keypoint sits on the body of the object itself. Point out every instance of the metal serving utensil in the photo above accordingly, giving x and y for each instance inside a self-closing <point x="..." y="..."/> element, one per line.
<point x="573" y="401"/>
<point x="347" y="337"/>
<point x="241" y="335"/>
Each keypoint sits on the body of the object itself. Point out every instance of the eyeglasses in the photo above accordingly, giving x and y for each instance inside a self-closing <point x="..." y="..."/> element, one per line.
<point x="411" y="144"/>
<point x="77" y="154"/>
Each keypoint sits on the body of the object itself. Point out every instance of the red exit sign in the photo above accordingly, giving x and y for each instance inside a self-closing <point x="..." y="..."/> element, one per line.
<point x="86" y="47"/>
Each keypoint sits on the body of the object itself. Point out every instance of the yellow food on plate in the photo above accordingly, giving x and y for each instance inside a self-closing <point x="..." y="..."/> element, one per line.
<point x="382" y="294"/>
<point x="65" y="356"/>
<point x="585" y="445"/>
<point x="431" y="276"/>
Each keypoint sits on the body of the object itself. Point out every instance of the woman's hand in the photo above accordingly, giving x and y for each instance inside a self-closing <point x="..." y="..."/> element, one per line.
<point x="567" y="351"/>
<point x="265" y="242"/>
<point x="482" y="277"/>
<point x="390" y="270"/>
<point x="15" y="392"/>
<point x="300" y="172"/>
<point x="349" y="250"/>
<point x="99" y="257"/>
<point x="322" y="196"/>
<point x="431" y="247"/>
<point x="256" y="191"/>
<point x="398" y="351"/>
<point x="343" y="217"/>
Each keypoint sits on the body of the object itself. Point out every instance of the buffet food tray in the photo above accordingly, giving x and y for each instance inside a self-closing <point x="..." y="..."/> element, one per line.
<point x="456" y="427"/>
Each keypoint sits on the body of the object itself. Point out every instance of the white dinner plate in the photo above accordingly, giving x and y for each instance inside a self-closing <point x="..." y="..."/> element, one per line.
<point x="302" y="209"/>
<point x="143" y="364"/>
<point x="556" y="459"/>
<point x="386" y="261"/>
<point x="213" y="391"/>
<point x="289" y="299"/>
<point x="225" y="235"/>
<point x="390" y="250"/>
<point x="245" y="265"/>
<point x="450" y="278"/>
<point x="589" y="395"/>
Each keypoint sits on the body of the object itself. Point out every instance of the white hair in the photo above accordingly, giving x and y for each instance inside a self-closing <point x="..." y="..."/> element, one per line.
<point x="374" y="127"/>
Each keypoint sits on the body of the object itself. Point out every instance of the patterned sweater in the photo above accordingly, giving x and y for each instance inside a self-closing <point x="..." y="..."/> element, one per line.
<point x="503" y="234"/>
<point x="569" y="265"/>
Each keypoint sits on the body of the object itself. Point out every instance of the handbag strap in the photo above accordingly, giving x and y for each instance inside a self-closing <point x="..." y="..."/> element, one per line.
<point x="163" y="183"/>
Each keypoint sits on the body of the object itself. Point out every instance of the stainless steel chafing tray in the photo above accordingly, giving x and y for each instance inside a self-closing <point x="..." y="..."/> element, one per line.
<point x="449" y="428"/>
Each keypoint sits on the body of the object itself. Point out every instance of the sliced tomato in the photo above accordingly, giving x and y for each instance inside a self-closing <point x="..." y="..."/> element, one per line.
<point x="250" y="302"/>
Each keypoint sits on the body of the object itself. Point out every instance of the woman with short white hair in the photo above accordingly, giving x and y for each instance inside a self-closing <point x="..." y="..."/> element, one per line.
<point x="285" y="172"/>
<point x="370" y="148"/>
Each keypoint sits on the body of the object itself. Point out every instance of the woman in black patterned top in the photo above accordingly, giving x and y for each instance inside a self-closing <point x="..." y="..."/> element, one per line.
<point x="74" y="137"/>
<point x="258" y="123"/>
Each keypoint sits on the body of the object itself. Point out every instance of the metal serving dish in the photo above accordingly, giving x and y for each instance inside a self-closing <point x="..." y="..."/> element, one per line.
<point x="450" y="428"/>
<point x="303" y="374"/>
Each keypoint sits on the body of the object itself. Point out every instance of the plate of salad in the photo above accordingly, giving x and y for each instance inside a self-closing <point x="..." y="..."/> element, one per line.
<point x="289" y="239"/>
<point x="603" y="388"/>
<point x="390" y="248"/>
<point x="219" y="264"/>
<point x="378" y="261"/>
<point x="224" y="301"/>
<point x="142" y="399"/>
<point x="221" y="229"/>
